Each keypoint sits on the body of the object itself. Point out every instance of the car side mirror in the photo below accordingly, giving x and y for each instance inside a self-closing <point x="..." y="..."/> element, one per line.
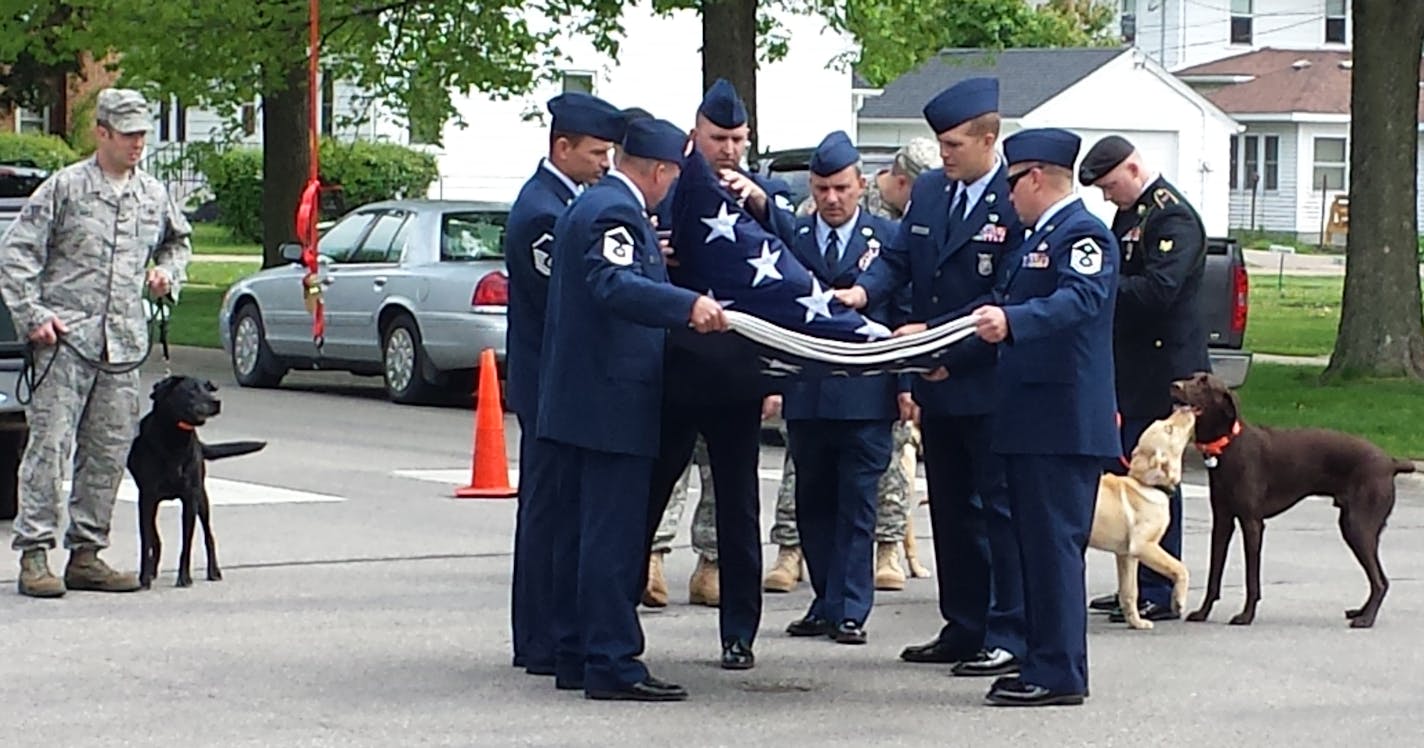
<point x="291" y="252"/>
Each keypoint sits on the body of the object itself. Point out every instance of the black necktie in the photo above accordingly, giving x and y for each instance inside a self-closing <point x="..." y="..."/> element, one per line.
<point x="833" y="249"/>
<point x="956" y="214"/>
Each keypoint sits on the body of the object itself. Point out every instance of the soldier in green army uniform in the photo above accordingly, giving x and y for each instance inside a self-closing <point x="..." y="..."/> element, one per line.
<point x="887" y="195"/>
<point x="73" y="270"/>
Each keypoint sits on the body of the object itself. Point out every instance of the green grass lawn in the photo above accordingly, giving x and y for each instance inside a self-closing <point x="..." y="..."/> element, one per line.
<point x="1299" y="319"/>
<point x="195" y="318"/>
<point x="1386" y="412"/>
<point x="212" y="239"/>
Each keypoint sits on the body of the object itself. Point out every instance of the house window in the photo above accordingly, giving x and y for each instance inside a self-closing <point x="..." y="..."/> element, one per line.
<point x="249" y="119"/>
<point x="182" y="122"/>
<point x="577" y="81"/>
<point x="328" y="103"/>
<point x="30" y="121"/>
<point x="1334" y="21"/>
<point x="1262" y="157"/>
<point x="1330" y="164"/>
<point x="1234" y="175"/>
<point x="1241" y="21"/>
<point x="165" y="112"/>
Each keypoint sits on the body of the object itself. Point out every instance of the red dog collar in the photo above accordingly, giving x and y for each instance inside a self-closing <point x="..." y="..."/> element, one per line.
<point x="185" y="426"/>
<point x="1214" y="448"/>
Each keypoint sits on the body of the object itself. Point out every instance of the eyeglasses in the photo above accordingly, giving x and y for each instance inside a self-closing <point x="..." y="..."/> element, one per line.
<point x="1013" y="179"/>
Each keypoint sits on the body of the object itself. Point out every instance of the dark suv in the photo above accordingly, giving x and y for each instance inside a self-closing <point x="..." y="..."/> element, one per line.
<point x="18" y="179"/>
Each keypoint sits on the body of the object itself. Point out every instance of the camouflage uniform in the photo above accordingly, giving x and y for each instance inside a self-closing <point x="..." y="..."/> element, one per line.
<point x="704" y="518"/>
<point x="79" y="252"/>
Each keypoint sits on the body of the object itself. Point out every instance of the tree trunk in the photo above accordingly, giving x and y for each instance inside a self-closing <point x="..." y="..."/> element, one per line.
<point x="729" y="50"/>
<point x="1380" y="327"/>
<point x="284" y="163"/>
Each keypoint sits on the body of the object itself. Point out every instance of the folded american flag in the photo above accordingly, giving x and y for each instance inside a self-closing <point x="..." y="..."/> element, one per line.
<point x="795" y="322"/>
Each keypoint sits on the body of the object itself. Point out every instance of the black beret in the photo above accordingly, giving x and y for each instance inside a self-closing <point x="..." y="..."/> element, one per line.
<point x="1102" y="158"/>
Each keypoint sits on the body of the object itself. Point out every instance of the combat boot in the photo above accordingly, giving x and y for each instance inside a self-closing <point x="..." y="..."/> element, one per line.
<point x="86" y="571"/>
<point x="35" y="577"/>
<point x="655" y="595"/>
<point x="786" y="573"/>
<point x="888" y="574"/>
<point x="704" y="587"/>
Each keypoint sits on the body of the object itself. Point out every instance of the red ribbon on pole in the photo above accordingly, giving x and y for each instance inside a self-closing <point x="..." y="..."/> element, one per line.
<point x="309" y="207"/>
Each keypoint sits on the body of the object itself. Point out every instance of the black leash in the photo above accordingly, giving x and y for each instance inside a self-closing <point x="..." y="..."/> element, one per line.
<point x="29" y="382"/>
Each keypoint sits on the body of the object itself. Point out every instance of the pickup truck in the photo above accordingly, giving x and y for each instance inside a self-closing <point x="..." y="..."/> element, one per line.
<point x="1224" y="290"/>
<point x="17" y="181"/>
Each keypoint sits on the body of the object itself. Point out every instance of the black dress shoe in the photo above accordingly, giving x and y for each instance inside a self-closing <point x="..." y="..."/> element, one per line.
<point x="536" y="668"/>
<point x="737" y="655"/>
<point x="1016" y="692"/>
<point x="988" y="662"/>
<point x="568" y="684"/>
<point x="810" y="626"/>
<point x="650" y="689"/>
<point x="849" y="632"/>
<point x="935" y="650"/>
<point x="1104" y="604"/>
<point x="1148" y="610"/>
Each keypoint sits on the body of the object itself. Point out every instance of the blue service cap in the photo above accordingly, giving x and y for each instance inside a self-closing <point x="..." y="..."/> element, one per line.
<point x="656" y="139"/>
<point x="1050" y="145"/>
<point x="833" y="154"/>
<point x="962" y="102"/>
<point x="581" y="114"/>
<point x="722" y="106"/>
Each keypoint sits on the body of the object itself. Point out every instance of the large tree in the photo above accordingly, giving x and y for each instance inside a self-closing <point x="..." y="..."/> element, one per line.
<point x="1380" y="328"/>
<point x="42" y="44"/>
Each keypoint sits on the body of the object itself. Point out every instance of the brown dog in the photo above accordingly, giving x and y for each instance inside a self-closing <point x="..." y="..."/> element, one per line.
<point x="1257" y="472"/>
<point x="1132" y="513"/>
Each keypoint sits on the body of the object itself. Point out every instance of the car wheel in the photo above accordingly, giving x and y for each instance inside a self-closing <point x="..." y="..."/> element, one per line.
<point x="253" y="363"/>
<point x="403" y="362"/>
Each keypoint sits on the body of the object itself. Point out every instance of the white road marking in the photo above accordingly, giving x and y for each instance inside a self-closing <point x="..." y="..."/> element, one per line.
<point x="223" y="492"/>
<point x="461" y="476"/>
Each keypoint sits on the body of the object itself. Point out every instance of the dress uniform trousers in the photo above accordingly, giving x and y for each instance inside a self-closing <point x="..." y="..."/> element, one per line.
<point x="838" y="467"/>
<point x="1052" y="498"/>
<point x="732" y="432"/>
<point x="532" y="592"/>
<point x="981" y="581"/>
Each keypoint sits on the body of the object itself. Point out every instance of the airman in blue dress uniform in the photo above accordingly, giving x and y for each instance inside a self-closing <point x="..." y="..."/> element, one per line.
<point x="600" y="396"/>
<point x="839" y="427"/>
<point x="951" y="249"/>
<point x="1055" y="412"/>
<point x="717" y="391"/>
<point x="583" y="129"/>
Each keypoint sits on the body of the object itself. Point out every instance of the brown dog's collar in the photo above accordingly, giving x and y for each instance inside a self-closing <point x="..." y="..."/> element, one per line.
<point x="1214" y="448"/>
<point x="185" y="426"/>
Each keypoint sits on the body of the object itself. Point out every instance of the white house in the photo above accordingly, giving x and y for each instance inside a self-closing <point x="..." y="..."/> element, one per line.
<point x="1292" y="160"/>
<point x="1182" y="33"/>
<point x="799" y="98"/>
<point x="1093" y="92"/>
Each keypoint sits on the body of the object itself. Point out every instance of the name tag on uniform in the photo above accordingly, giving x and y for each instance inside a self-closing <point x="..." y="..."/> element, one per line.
<point x="919" y="230"/>
<point x="992" y="233"/>
<point x="1036" y="260"/>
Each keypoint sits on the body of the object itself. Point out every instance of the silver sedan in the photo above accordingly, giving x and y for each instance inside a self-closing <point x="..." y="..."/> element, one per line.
<point x="414" y="291"/>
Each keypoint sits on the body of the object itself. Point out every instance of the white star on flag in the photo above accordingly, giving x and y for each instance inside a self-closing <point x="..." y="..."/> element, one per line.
<point x="873" y="330"/>
<point x="818" y="304"/>
<point x="722" y="224"/>
<point x="721" y="303"/>
<point x="765" y="265"/>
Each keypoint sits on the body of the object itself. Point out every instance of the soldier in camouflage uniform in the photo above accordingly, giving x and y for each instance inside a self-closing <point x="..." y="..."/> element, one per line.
<point x="887" y="195"/>
<point x="704" y="588"/>
<point x="73" y="269"/>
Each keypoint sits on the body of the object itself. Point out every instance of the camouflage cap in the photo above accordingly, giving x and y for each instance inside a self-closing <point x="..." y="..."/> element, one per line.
<point x="916" y="156"/>
<point x="123" y="110"/>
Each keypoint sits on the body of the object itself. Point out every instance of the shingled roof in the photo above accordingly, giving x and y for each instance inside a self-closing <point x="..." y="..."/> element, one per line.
<point x="1027" y="78"/>
<point x="1282" y="81"/>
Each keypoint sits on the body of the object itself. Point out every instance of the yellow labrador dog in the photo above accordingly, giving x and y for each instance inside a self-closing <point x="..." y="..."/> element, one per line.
<point x="1131" y="514"/>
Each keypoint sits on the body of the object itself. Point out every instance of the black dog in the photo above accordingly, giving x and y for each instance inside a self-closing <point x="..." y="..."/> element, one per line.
<point x="168" y="461"/>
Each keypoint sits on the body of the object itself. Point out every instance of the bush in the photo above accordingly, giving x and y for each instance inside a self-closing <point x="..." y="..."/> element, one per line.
<point x="46" y="151"/>
<point x="367" y="172"/>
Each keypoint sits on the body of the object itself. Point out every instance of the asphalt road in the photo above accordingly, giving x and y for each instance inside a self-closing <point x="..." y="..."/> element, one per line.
<point x="362" y="605"/>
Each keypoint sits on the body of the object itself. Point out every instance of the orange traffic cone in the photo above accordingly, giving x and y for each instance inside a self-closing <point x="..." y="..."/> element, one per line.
<point x="489" y="470"/>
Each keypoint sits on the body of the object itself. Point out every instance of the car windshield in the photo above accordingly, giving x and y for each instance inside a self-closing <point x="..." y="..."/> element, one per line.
<point x="472" y="235"/>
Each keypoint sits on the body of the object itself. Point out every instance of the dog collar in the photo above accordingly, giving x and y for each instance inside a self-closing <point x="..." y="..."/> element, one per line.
<point x="1214" y="448"/>
<point x="185" y="426"/>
